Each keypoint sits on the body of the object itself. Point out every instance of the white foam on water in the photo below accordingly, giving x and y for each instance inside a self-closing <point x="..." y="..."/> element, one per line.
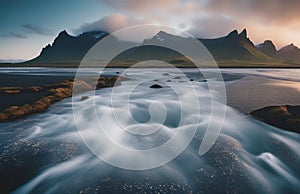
<point x="267" y="167"/>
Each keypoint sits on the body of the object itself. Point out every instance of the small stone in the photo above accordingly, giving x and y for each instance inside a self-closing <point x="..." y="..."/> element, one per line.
<point x="83" y="98"/>
<point x="156" y="86"/>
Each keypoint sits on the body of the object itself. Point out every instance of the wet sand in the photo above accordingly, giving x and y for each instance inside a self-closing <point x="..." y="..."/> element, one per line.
<point x="24" y="95"/>
<point x="24" y="81"/>
<point x="256" y="92"/>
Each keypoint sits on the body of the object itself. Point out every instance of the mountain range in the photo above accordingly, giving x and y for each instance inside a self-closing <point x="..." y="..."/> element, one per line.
<point x="233" y="50"/>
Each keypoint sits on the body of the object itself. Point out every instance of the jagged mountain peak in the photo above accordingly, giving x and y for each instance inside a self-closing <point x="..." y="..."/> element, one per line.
<point x="290" y="47"/>
<point x="234" y="46"/>
<point x="268" y="43"/>
<point x="290" y="53"/>
<point x="243" y="34"/>
<point x="234" y="33"/>
<point x="268" y="48"/>
<point x="64" y="33"/>
<point x="162" y="33"/>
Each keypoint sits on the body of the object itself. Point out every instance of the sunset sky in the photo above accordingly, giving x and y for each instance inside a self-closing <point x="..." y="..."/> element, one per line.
<point x="27" y="26"/>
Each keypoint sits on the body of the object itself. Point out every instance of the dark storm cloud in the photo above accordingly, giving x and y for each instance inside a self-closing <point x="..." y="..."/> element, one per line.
<point x="35" y="29"/>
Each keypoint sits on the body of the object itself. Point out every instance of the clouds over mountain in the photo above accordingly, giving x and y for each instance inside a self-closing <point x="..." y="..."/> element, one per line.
<point x="265" y="19"/>
<point x="212" y="26"/>
<point x="110" y="23"/>
<point x="272" y="11"/>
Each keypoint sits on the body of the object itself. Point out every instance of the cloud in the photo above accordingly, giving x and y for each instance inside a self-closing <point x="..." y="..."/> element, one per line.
<point x="264" y="19"/>
<point x="35" y="29"/>
<point x="160" y="11"/>
<point x="28" y="29"/>
<point x="212" y="26"/>
<point x="140" y="6"/>
<point x="14" y="35"/>
<point x="110" y="24"/>
<point x="266" y="11"/>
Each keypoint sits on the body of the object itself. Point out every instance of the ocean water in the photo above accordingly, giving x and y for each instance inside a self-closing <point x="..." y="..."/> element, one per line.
<point x="66" y="149"/>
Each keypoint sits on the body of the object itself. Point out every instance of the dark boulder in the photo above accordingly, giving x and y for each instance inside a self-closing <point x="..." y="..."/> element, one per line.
<point x="83" y="98"/>
<point x="156" y="86"/>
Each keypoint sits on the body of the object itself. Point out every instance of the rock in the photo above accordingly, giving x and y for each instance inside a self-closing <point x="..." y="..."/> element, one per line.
<point x="80" y="87"/>
<point x="191" y="80"/>
<point x="83" y="98"/>
<point x="156" y="86"/>
<point x="61" y="92"/>
<point x="284" y="117"/>
<point x="56" y="92"/>
<point x="10" y="90"/>
<point x="15" y="112"/>
<point x="104" y="82"/>
<point x="177" y="77"/>
<point x="42" y="104"/>
<point x="165" y="74"/>
<point x="33" y="89"/>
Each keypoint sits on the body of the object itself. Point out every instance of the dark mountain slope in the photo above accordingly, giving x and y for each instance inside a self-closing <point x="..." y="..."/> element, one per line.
<point x="268" y="48"/>
<point x="67" y="48"/>
<point x="289" y="53"/>
<point x="234" y="46"/>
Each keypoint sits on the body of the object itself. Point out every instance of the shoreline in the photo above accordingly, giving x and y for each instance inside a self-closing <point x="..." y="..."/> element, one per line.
<point x="251" y="95"/>
<point x="48" y="95"/>
<point x="271" y="100"/>
<point x="226" y="64"/>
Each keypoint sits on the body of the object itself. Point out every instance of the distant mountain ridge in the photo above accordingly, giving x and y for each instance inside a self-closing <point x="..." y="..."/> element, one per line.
<point x="233" y="47"/>
<point x="289" y="53"/>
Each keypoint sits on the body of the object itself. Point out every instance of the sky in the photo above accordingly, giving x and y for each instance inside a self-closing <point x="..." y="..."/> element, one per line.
<point x="28" y="26"/>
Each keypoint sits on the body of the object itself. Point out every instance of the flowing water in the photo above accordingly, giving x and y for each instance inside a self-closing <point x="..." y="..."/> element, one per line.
<point x="46" y="153"/>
